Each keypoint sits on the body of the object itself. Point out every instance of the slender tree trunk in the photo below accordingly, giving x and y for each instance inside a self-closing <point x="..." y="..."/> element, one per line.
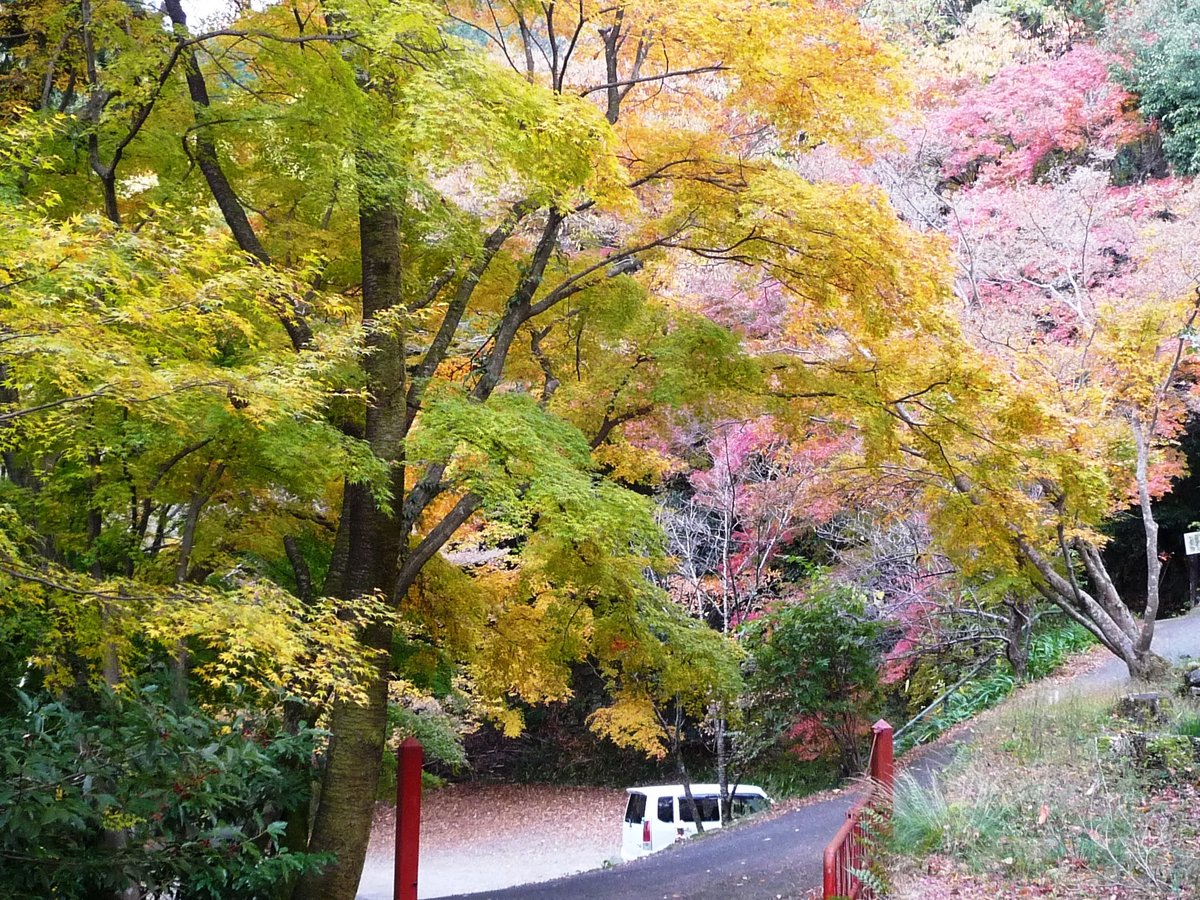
<point x="681" y="767"/>
<point x="206" y="485"/>
<point x="219" y="185"/>
<point x="1153" y="564"/>
<point x="1104" y="614"/>
<point x="1018" y="632"/>
<point x="721" y="736"/>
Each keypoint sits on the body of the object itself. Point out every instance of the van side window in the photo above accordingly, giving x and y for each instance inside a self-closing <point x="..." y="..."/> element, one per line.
<point x="666" y="809"/>
<point x="746" y="804"/>
<point x="708" y="807"/>
<point x="636" y="810"/>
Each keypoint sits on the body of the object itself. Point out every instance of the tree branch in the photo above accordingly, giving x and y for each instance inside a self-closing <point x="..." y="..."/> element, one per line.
<point x="716" y="67"/>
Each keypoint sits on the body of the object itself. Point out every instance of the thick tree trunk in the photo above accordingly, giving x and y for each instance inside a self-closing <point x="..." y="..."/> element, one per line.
<point x="375" y="541"/>
<point x="1147" y="665"/>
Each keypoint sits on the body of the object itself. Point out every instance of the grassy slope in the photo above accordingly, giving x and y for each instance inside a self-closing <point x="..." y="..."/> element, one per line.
<point x="1039" y="805"/>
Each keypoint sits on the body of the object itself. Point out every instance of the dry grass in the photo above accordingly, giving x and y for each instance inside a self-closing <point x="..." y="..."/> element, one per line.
<point x="1041" y="807"/>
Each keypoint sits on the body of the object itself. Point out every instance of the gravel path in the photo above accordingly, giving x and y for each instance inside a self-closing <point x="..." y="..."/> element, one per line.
<point x="478" y="837"/>
<point x="757" y="860"/>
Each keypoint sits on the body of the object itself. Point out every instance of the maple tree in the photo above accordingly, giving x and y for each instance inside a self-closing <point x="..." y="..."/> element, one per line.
<point x="724" y="534"/>
<point x="337" y="336"/>
<point x="1072" y="288"/>
<point x="1033" y="116"/>
<point x="463" y="256"/>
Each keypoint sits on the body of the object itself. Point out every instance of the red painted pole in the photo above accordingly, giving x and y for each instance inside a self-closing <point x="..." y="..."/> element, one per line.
<point x="830" y="869"/>
<point x="409" y="760"/>
<point x="883" y="765"/>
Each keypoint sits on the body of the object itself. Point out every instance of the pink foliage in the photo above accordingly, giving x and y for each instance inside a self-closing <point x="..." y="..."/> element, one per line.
<point x="1028" y="113"/>
<point x="915" y="607"/>
<point x="757" y="309"/>
<point x="810" y="738"/>
<point x="759" y="477"/>
<point x="898" y="662"/>
<point x="1051" y="254"/>
<point x="761" y="488"/>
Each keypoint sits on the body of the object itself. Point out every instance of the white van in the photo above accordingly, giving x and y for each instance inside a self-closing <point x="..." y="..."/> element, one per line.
<point x="658" y="816"/>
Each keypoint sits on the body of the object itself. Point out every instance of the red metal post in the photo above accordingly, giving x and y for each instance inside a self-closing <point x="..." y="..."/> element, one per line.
<point x="830" y="868"/>
<point x="883" y="765"/>
<point x="409" y="760"/>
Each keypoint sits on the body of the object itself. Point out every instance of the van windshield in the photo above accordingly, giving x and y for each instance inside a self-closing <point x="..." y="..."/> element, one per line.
<point x="709" y="808"/>
<point x="635" y="810"/>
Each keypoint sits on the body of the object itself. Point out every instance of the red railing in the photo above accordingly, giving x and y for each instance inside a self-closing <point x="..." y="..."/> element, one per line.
<point x="849" y="851"/>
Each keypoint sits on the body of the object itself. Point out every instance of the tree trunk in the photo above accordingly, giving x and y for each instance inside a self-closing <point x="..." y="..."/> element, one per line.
<point x="1103" y="613"/>
<point x="1146" y="665"/>
<point x="375" y="540"/>
<point x="1018" y="633"/>
<point x="1153" y="564"/>
<point x="721" y="735"/>
<point x="348" y="788"/>
<point x="681" y="767"/>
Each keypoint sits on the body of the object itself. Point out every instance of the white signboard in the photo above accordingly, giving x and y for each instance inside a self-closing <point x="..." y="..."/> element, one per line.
<point x="1191" y="543"/>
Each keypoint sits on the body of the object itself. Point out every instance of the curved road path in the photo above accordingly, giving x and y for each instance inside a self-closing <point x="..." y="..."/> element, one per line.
<point x="781" y="857"/>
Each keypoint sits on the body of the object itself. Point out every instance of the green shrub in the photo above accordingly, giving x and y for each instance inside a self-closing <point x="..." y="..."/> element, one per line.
<point x="815" y="663"/>
<point x="1164" y="76"/>
<point x="134" y="793"/>
<point x="440" y="733"/>
<point x="965" y="703"/>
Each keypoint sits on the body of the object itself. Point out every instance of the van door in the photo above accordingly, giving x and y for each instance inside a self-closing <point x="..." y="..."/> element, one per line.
<point x="633" y="844"/>
<point x="664" y="828"/>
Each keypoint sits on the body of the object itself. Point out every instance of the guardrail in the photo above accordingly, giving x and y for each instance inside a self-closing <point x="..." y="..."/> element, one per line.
<point x="849" y="851"/>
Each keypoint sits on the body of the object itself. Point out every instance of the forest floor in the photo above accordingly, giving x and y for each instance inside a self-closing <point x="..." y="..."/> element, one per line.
<point x="477" y="837"/>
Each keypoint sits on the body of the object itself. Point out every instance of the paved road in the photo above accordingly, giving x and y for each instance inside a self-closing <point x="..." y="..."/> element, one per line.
<point x="782" y="856"/>
<point x="1173" y="638"/>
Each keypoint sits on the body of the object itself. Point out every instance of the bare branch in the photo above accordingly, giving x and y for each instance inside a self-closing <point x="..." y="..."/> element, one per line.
<point x="662" y="76"/>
